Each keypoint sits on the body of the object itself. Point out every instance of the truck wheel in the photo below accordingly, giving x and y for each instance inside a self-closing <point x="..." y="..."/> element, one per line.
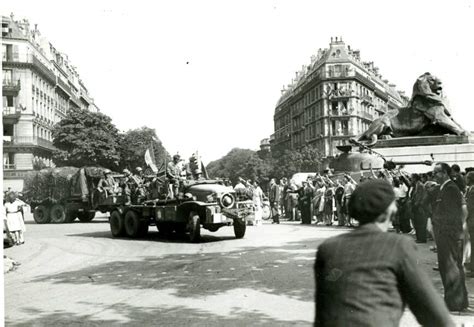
<point x="194" y="227"/>
<point x="58" y="214"/>
<point x="41" y="215"/>
<point x="117" y="226"/>
<point x="86" y="217"/>
<point x="132" y="224"/>
<point x="239" y="228"/>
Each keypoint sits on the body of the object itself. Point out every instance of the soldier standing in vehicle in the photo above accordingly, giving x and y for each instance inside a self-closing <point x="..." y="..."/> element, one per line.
<point x="107" y="183"/>
<point x="126" y="186"/>
<point x="173" y="172"/>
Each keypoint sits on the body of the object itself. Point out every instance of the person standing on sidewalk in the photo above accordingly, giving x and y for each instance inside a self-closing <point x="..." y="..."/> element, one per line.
<point x="368" y="276"/>
<point x="448" y="228"/>
<point x="14" y="218"/>
<point x="274" y="198"/>
<point x="470" y="215"/>
<point x="420" y="218"/>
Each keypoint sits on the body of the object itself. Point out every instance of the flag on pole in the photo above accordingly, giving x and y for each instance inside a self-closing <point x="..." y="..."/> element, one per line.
<point x="150" y="159"/>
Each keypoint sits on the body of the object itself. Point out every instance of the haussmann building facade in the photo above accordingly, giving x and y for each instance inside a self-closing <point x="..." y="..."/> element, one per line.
<point x="331" y="100"/>
<point x="39" y="86"/>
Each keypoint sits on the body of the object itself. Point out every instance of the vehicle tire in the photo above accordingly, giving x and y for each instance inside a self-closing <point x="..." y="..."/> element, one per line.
<point x="132" y="224"/>
<point x="266" y="212"/>
<point x="58" y="214"/>
<point x="41" y="214"/>
<point x="239" y="228"/>
<point x="86" y="216"/>
<point x="71" y="215"/>
<point x="194" y="227"/>
<point x="117" y="226"/>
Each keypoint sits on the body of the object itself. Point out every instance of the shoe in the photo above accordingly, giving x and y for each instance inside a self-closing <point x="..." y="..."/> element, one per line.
<point x="436" y="268"/>
<point x="433" y="248"/>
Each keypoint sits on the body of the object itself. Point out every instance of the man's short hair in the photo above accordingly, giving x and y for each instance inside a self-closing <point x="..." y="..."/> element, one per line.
<point x="470" y="178"/>
<point x="444" y="167"/>
<point x="455" y="168"/>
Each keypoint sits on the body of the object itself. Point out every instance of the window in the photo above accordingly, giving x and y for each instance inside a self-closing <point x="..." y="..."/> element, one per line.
<point x="333" y="127"/>
<point x="9" y="101"/>
<point x="7" y="76"/>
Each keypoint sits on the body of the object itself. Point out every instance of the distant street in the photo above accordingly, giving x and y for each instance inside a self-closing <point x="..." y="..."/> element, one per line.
<point x="78" y="275"/>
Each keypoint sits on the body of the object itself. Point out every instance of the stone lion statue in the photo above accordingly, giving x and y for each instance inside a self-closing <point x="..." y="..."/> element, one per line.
<point x="426" y="114"/>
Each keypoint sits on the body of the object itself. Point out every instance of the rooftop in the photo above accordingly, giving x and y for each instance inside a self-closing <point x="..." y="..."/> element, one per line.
<point x="337" y="52"/>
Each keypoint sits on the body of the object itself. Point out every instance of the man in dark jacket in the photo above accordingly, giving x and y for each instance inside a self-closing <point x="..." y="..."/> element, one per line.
<point x="366" y="277"/>
<point x="447" y="226"/>
<point x="274" y="198"/>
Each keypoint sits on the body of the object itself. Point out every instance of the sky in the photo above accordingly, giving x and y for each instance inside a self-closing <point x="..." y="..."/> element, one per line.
<point x="207" y="74"/>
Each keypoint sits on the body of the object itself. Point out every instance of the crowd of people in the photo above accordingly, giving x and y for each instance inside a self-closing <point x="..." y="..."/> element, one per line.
<point x="370" y="275"/>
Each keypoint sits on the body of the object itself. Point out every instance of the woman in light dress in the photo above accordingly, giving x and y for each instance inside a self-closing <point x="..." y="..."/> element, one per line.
<point x="257" y="198"/>
<point x="14" y="218"/>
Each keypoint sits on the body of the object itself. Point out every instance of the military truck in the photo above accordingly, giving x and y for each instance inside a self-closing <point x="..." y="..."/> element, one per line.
<point x="202" y="204"/>
<point x="60" y="195"/>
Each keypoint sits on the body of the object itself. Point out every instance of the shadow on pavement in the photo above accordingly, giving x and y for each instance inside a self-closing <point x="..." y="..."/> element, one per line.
<point x="163" y="316"/>
<point x="285" y="270"/>
<point x="156" y="236"/>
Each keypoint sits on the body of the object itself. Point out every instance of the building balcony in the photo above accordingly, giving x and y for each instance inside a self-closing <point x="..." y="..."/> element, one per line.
<point x="340" y="94"/>
<point x="27" y="141"/>
<point x="11" y="87"/>
<point x="11" y="115"/>
<point x="9" y="166"/>
<point x="367" y="99"/>
<point x="66" y="89"/>
<point x="18" y="60"/>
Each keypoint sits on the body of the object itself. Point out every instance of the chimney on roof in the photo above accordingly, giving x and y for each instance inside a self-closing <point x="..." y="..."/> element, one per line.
<point x="331" y="39"/>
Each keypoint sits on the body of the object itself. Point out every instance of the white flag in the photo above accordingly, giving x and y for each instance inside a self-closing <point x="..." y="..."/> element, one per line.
<point x="150" y="162"/>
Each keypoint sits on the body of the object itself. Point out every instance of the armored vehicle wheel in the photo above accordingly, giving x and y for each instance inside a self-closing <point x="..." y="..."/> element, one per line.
<point x="58" y="214"/>
<point x="117" y="226"/>
<point x="239" y="228"/>
<point x="86" y="217"/>
<point x="41" y="215"/>
<point x="132" y="224"/>
<point x="194" y="227"/>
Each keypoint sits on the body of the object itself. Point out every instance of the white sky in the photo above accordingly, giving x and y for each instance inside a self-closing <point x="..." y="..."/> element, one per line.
<point x="133" y="57"/>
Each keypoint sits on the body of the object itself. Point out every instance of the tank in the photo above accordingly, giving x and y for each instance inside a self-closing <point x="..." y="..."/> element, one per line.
<point x="355" y="161"/>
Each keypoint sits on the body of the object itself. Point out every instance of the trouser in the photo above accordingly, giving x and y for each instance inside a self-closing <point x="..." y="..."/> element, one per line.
<point x="471" y="235"/>
<point x="451" y="269"/>
<point x="403" y="217"/>
<point x="306" y="215"/>
<point x="275" y="213"/>
<point x="420" y="221"/>
<point x="341" y="221"/>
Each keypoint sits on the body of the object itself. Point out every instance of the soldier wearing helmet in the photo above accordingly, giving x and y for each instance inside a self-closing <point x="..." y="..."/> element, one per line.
<point x="107" y="183"/>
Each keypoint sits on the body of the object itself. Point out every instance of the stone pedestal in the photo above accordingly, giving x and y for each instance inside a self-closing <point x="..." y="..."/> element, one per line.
<point x="451" y="149"/>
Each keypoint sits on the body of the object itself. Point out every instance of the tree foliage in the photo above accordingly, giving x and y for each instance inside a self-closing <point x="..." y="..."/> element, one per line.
<point x="135" y="142"/>
<point x="250" y="164"/>
<point x="86" y="138"/>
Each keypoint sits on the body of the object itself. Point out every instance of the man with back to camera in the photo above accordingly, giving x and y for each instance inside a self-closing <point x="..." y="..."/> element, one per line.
<point x="367" y="276"/>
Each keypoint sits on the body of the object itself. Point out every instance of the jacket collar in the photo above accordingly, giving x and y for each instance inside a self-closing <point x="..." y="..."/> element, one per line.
<point x="370" y="227"/>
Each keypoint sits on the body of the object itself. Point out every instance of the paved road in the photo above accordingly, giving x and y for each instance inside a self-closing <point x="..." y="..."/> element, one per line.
<point x="78" y="275"/>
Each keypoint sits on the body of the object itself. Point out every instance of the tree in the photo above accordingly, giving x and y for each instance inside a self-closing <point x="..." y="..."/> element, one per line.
<point x="135" y="142"/>
<point x="231" y="165"/>
<point x="86" y="138"/>
<point x="289" y="162"/>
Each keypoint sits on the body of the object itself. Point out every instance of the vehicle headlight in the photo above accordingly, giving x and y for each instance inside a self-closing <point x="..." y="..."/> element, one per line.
<point x="227" y="200"/>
